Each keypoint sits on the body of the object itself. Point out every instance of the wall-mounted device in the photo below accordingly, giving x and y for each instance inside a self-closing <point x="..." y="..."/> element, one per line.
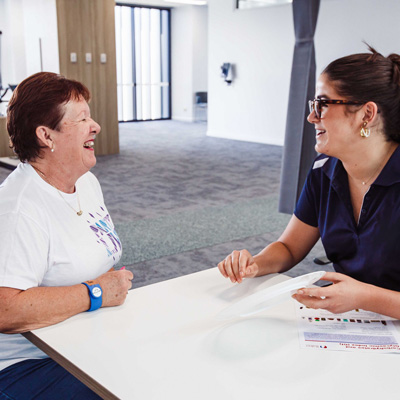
<point x="73" y="57"/>
<point x="227" y="72"/>
<point x="88" y="57"/>
<point x="103" y="58"/>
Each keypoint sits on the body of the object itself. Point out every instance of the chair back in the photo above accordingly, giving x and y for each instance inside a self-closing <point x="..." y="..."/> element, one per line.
<point x="201" y="97"/>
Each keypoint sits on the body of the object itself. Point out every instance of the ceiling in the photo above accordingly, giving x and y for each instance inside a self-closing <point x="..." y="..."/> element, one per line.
<point x="155" y="3"/>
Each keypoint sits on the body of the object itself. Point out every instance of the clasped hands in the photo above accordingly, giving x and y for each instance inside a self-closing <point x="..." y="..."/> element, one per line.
<point x="345" y="294"/>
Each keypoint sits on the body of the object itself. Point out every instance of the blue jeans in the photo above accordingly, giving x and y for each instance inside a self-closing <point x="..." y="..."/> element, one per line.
<point x="41" y="379"/>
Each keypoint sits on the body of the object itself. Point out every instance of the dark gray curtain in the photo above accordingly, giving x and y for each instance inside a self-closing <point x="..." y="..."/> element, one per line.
<point x="1" y="87"/>
<point x="298" y="152"/>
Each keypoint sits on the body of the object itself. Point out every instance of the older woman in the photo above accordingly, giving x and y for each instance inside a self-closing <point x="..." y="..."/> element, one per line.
<point x="351" y="198"/>
<point x="58" y="245"/>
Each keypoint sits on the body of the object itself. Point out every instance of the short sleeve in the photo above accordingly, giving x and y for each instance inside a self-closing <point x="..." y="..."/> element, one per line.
<point x="306" y="207"/>
<point x="23" y="252"/>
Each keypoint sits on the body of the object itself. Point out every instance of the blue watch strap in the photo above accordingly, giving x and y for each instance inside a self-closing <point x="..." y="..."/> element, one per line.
<point x="96" y="296"/>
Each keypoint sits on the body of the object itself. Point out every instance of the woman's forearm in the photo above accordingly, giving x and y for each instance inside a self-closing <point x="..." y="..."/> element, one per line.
<point x="382" y="301"/>
<point x="293" y="245"/>
<point x="25" y="310"/>
<point x="22" y="311"/>
<point x="275" y="258"/>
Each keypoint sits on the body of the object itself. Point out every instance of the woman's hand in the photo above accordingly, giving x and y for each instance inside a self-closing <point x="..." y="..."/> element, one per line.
<point x="293" y="245"/>
<point x="238" y="265"/>
<point x="345" y="294"/>
<point x="115" y="285"/>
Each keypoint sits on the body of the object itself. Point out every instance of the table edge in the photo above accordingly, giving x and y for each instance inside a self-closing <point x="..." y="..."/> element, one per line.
<point x="70" y="367"/>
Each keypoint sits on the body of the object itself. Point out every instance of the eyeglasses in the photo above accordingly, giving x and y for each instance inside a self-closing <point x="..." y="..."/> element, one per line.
<point x="317" y="104"/>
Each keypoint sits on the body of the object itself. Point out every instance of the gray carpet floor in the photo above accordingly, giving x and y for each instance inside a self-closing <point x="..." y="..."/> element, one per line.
<point x="182" y="201"/>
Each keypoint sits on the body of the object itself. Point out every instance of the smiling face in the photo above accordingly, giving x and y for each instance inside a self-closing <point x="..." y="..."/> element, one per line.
<point x="337" y="131"/>
<point x="73" y="142"/>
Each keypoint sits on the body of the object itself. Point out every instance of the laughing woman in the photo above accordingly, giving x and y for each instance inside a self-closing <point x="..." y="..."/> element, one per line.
<point x="351" y="198"/>
<point x="58" y="245"/>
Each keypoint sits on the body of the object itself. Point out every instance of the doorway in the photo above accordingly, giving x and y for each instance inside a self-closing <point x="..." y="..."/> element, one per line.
<point x="143" y="63"/>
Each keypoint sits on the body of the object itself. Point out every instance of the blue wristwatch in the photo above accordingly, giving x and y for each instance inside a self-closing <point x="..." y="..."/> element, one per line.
<point x="95" y="294"/>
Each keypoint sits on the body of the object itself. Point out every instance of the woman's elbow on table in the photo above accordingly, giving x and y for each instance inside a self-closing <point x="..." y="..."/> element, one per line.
<point x="8" y="313"/>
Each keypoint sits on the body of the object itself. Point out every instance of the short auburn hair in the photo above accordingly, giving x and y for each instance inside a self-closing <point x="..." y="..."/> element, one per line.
<point x="38" y="101"/>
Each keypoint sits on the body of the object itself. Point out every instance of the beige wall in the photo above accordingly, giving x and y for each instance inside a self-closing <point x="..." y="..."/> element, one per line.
<point x="88" y="26"/>
<point x="5" y="150"/>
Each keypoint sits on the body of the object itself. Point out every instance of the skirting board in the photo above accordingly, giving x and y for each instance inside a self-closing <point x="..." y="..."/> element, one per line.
<point x="252" y="139"/>
<point x="183" y="119"/>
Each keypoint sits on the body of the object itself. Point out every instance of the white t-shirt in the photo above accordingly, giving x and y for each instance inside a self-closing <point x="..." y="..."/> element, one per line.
<point x="43" y="242"/>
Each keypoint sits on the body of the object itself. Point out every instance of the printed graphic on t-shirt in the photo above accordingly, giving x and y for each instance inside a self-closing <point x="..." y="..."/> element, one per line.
<point x="105" y="232"/>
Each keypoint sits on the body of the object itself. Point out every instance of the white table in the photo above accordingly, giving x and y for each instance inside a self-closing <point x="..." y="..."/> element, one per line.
<point x="165" y="343"/>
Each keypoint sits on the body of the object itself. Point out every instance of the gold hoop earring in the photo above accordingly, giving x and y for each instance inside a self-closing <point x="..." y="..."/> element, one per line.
<point x="365" y="132"/>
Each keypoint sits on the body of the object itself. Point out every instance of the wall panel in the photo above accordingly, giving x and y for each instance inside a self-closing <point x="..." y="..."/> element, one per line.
<point x="5" y="150"/>
<point x="88" y="26"/>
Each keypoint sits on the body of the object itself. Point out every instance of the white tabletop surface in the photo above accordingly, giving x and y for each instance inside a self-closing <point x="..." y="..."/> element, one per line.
<point x="165" y="342"/>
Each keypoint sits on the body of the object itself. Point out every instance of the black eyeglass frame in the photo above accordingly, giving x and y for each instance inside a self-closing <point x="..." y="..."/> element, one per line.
<point x="321" y="102"/>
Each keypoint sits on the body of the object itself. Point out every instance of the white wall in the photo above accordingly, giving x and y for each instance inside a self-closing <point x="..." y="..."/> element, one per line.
<point x="13" y="58"/>
<point x="181" y="63"/>
<point x="260" y="43"/>
<point x="344" y="24"/>
<point x="200" y="49"/>
<point x="188" y="58"/>
<point x="40" y="21"/>
<point x="23" y="22"/>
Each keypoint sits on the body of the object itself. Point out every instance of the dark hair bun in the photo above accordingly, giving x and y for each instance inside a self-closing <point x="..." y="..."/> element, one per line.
<point x="395" y="59"/>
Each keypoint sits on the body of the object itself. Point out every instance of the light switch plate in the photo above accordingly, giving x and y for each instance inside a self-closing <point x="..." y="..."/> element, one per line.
<point x="103" y="58"/>
<point x="73" y="58"/>
<point x="88" y="57"/>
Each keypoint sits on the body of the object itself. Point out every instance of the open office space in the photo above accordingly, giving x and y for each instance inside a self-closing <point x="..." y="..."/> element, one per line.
<point x="204" y="148"/>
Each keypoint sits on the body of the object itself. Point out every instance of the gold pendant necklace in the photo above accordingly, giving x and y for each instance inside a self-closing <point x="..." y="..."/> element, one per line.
<point x="365" y="182"/>
<point x="78" y="213"/>
<point x="380" y="166"/>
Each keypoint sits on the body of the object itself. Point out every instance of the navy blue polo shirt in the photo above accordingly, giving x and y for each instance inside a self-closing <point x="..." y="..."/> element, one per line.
<point x="369" y="250"/>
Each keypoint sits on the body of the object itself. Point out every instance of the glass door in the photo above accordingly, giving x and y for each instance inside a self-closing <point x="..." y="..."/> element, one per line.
<point x="143" y="63"/>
